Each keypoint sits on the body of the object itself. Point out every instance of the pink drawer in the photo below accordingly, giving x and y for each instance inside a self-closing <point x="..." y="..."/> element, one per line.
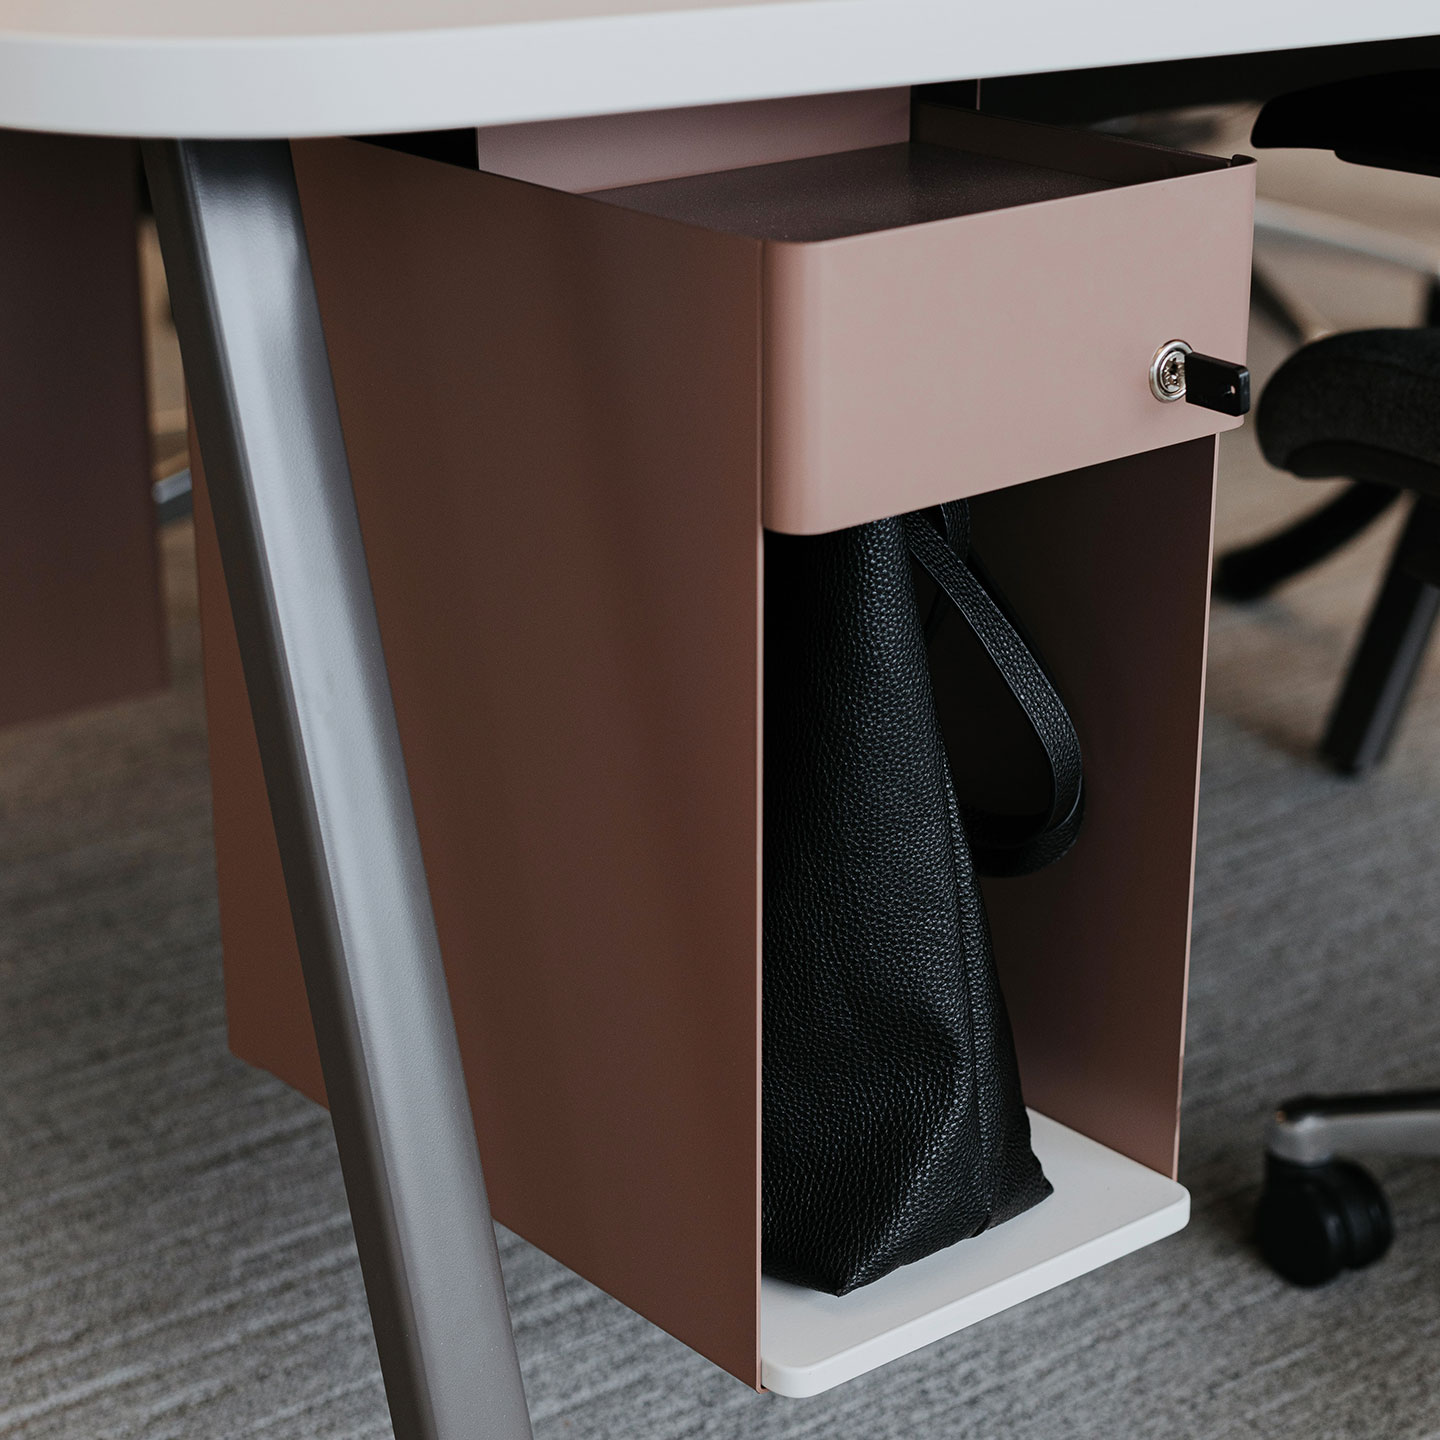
<point x="974" y="310"/>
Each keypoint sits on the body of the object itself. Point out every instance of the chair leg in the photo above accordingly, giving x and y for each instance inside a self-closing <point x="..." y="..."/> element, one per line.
<point x="1256" y="570"/>
<point x="1317" y="1129"/>
<point x="1287" y="312"/>
<point x="1387" y="660"/>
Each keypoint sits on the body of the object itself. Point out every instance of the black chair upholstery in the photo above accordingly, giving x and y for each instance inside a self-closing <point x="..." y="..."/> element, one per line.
<point x="1362" y="419"/>
<point x="1365" y="405"/>
<point x="1388" y="120"/>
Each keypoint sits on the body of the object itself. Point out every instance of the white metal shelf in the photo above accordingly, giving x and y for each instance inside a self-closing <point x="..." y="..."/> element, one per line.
<point x="1104" y="1206"/>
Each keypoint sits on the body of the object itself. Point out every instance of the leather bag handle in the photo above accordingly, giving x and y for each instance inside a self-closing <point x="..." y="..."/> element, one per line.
<point x="1006" y="844"/>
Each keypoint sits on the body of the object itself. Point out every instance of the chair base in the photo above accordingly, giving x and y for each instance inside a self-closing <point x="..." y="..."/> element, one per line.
<point x="1253" y="571"/>
<point x="1387" y="660"/>
<point x="1320" y="1214"/>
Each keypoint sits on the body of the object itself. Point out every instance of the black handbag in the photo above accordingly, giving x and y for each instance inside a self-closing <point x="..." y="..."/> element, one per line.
<point x="893" y="1119"/>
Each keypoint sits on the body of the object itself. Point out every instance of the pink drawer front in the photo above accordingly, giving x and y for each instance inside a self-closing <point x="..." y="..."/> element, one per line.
<point x="910" y="363"/>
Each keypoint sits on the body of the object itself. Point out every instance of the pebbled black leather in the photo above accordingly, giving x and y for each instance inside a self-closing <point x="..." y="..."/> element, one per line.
<point x="894" y="1124"/>
<point x="1004" y="844"/>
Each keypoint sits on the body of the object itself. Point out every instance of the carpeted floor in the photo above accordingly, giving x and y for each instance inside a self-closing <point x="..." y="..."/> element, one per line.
<point x="175" y="1257"/>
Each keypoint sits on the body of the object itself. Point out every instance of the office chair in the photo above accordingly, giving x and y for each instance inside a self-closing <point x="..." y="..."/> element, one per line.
<point x="1363" y="405"/>
<point x="1386" y="661"/>
<point x="1368" y="707"/>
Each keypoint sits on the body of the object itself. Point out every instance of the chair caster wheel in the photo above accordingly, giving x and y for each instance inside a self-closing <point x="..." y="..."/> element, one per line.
<point x="1314" y="1221"/>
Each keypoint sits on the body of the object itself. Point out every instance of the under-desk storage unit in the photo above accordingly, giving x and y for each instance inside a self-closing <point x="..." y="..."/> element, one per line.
<point x="568" y="416"/>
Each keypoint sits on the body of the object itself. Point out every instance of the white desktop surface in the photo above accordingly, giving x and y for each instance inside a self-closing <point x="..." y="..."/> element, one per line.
<point x="258" y="68"/>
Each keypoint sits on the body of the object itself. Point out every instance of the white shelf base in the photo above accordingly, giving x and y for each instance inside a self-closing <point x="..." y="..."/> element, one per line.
<point x="1104" y="1206"/>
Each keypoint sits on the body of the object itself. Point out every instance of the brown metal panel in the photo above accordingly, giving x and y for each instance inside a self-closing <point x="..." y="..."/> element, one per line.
<point x="81" y="621"/>
<point x="1109" y="570"/>
<point x="265" y="1003"/>
<point x="552" y="412"/>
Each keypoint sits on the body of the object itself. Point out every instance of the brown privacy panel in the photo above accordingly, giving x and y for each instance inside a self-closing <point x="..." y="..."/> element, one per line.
<point x="1109" y="570"/>
<point x="81" y="620"/>
<point x="551" y="412"/>
<point x="552" y="404"/>
<point x="265" y="1002"/>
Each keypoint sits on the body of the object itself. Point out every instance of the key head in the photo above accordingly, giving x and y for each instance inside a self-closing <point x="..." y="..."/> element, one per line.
<point x="1217" y="384"/>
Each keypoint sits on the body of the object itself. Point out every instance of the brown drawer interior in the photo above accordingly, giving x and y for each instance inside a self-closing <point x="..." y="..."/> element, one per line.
<point x="956" y="163"/>
<point x="854" y="193"/>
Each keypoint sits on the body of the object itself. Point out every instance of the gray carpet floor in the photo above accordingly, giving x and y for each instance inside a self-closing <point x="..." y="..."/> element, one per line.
<point x="175" y="1255"/>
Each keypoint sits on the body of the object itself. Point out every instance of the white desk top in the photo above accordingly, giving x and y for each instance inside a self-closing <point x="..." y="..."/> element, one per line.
<point x="233" y="68"/>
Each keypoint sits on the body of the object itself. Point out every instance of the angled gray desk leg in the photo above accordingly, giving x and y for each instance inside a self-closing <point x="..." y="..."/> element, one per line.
<point x="259" y="377"/>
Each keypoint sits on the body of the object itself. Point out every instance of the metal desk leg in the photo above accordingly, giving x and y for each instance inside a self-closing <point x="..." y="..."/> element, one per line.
<point x="259" y="376"/>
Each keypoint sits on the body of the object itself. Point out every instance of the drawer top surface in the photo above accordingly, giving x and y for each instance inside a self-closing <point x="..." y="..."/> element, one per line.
<point x="855" y="192"/>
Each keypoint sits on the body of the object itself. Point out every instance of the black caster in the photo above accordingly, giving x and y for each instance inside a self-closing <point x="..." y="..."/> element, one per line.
<point x="1314" y="1221"/>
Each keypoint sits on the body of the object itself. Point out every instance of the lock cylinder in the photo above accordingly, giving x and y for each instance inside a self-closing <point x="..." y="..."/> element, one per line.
<point x="1179" y="373"/>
